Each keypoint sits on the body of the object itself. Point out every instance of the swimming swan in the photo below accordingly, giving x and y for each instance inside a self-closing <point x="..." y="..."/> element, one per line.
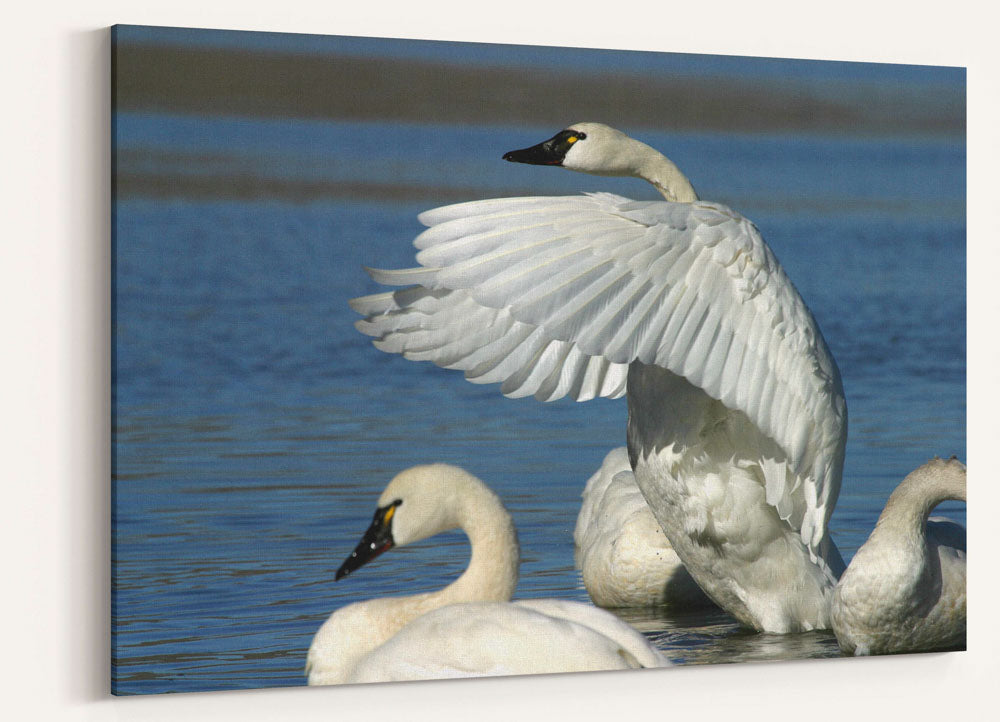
<point x="737" y="419"/>
<point x="904" y="591"/>
<point x="623" y="555"/>
<point x="469" y="628"/>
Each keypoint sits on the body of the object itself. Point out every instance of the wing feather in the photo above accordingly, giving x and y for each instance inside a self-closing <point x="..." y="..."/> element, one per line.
<point x="715" y="356"/>
<point x="554" y="297"/>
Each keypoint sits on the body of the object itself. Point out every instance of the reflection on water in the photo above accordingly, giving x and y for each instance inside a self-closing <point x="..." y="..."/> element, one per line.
<point x="254" y="427"/>
<point x="713" y="637"/>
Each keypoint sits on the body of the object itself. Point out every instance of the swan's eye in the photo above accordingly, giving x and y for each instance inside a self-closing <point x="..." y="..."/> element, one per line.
<point x="391" y="511"/>
<point x="567" y="139"/>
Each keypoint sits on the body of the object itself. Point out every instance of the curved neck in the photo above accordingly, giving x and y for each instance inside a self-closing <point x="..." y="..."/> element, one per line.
<point x="666" y="177"/>
<point x="619" y="155"/>
<point x="922" y="490"/>
<point x="493" y="567"/>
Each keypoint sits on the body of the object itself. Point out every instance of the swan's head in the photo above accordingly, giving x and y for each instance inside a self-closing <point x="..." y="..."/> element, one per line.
<point x="418" y="503"/>
<point x="586" y="147"/>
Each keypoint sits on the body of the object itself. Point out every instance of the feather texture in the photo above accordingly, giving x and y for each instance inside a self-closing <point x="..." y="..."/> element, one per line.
<point x="549" y="295"/>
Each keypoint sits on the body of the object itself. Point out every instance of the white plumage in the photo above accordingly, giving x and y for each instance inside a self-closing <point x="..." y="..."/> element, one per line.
<point x="478" y="639"/>
<point x="905" y="588"/>
<point x="469" y="628"/>
<point x="623" y="555"/>
<point x="737" y="419"/>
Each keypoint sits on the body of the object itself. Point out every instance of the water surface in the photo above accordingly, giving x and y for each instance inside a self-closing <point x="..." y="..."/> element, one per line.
<point x="254" y="427"/>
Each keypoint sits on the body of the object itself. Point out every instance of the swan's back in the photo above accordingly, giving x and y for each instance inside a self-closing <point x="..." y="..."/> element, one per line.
<point x="623" y="555"/>
<point x="352" y="631"/>
<point x="632" y="643"/>
<point x="494" y="638"/>
<point x="597" y="495"/>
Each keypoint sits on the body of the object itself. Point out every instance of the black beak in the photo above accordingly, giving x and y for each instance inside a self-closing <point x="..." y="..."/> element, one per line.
<point x="376" y="540"/>
<point x="542" y="154"/>
<point x="551" y="152"/>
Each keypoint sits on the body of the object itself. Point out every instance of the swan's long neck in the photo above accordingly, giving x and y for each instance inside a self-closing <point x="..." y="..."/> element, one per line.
<point x="615" y="154"/>
<point x="493" y="568"/>
<point x="665" y="176"/>
<point x="913" y="500"/>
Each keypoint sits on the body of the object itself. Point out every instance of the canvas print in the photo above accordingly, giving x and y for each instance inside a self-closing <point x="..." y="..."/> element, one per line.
<point x="438" y="359"/>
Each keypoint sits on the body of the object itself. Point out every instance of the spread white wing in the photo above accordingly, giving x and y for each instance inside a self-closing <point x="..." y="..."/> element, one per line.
<point x="555" y="296"/>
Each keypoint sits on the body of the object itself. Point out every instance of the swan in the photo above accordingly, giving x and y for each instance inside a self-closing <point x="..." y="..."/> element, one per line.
<point x="737" y="420"/>
<point x="904" y="590"/>
<point x="623" y="555"/>
<point x="468" y="628"/>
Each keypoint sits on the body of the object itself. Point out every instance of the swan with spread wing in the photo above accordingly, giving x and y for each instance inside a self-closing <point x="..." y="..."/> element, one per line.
<point x="737" y="419"/>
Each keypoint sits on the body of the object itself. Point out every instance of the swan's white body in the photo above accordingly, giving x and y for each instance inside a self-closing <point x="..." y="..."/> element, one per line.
<point x="469" y="628"/>
<point x="737" y="419"/>
<point x="904" y="590"/>
<point x="501" y="638"/>
<point x="623" y="555"/>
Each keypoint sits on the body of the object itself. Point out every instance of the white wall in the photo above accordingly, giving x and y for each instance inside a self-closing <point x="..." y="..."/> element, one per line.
<point x="54" y="280"/>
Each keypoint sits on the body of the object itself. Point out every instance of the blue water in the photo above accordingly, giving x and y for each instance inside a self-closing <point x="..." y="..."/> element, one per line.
<point x="254" y="427"/>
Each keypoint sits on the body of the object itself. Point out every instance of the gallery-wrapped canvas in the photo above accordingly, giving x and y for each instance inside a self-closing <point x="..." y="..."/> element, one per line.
<point x="767" y="330"/>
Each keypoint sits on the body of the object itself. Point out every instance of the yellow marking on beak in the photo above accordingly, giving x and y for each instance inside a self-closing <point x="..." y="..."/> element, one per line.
<point x="388" y="514"/>
<point x="572" y="139"/>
